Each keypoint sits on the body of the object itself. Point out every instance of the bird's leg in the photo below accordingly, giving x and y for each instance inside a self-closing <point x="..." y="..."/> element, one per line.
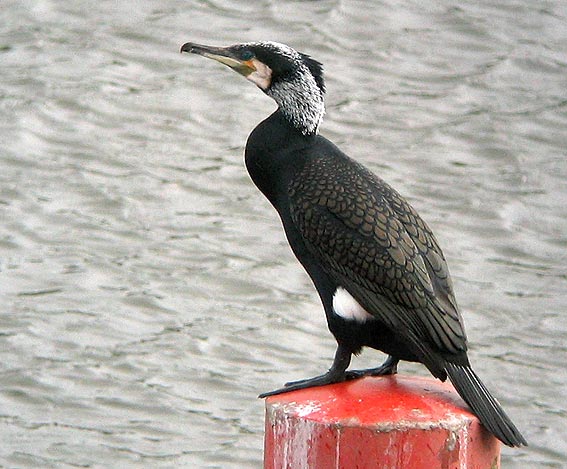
<point x="389" y="367"/>
<point x="336" y="374"/>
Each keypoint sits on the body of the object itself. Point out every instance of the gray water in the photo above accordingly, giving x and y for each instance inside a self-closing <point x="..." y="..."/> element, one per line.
<point x="147" y="292"/>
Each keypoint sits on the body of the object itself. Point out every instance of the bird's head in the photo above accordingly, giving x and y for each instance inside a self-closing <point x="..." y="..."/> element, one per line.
<point x="294" y="80"/>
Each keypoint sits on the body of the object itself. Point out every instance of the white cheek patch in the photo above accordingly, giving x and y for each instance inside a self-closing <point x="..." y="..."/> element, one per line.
<point x="262" y="76"/>
<point x="348" y="308"/>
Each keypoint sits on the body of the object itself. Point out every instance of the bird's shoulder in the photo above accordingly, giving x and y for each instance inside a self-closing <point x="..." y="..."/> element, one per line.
<point x="357" y="218"/>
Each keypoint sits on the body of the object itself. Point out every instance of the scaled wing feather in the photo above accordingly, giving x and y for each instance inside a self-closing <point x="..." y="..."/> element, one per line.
<point x="376" y="246"/>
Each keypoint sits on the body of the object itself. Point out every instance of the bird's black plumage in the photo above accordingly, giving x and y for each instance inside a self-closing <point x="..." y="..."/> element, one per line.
<point x="379" y="271"/>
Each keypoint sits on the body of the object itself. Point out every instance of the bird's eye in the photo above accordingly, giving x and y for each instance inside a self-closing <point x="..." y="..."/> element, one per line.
<point x="247" y="55"/>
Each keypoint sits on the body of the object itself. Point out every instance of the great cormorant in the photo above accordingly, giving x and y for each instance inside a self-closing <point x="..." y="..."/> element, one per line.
<point x="376" y="265"/>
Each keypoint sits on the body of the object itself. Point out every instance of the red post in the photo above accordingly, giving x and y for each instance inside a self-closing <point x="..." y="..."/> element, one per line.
<point x="390" y="422"/>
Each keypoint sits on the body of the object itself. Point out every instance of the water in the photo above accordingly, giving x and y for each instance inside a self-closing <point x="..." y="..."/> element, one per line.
<point x="148" y="294"/>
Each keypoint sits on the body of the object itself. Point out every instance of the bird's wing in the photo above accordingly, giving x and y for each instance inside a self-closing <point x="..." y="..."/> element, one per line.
<point x="374" y="244"/>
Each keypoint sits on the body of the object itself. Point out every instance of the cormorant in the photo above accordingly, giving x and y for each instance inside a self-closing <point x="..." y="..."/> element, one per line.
<point x="379" y="271"/>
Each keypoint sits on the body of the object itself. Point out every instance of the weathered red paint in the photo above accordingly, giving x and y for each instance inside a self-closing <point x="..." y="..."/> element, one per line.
<point x="376" y="423"/>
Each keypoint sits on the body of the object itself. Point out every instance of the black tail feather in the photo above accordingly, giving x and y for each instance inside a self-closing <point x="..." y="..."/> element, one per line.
<point x="483" y="404"/>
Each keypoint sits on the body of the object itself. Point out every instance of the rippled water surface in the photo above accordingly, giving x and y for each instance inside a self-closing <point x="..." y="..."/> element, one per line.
<point x="147" y="292"/>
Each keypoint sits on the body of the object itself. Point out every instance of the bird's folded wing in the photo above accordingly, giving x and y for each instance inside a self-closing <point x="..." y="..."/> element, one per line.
<point x="375" y="245"/>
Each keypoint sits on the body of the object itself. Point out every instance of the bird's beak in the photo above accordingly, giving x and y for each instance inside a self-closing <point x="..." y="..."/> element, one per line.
<point x="223" y="55"/>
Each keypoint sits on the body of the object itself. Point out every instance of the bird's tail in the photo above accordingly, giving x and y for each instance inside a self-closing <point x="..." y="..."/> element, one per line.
<point x="483" y="405"/>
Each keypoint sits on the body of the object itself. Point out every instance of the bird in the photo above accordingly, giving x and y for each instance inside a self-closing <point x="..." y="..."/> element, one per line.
<point x="381" y="276"/>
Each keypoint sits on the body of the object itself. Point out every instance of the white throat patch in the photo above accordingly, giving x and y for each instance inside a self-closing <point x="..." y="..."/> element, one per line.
<point x="262" y="76"/>
<point x="348" y="308"/>
<point x="299" y="97"/>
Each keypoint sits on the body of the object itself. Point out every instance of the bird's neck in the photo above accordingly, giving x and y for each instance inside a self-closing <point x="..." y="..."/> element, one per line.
<point x="300" y="102"/>
<point x="272" y="153"/>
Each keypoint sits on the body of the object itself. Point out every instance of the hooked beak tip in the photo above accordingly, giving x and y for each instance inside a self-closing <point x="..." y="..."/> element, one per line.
<point x="187" y="47"/>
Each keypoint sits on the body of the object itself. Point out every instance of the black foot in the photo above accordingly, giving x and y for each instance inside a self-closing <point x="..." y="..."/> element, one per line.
<point x="323" y="380"/>
<point x="389" y="367"/>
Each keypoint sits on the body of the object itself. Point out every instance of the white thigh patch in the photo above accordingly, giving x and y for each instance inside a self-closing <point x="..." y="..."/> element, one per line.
<point x="348" y="308"/>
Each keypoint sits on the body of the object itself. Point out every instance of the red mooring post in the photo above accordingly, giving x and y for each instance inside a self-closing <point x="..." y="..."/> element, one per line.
<point x="389" y="422"/>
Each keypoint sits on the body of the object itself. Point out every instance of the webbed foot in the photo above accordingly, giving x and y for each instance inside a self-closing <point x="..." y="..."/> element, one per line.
<point x="336" y="374"/>
<point x="389" y="367"/>
<point x="323" y="380"/>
